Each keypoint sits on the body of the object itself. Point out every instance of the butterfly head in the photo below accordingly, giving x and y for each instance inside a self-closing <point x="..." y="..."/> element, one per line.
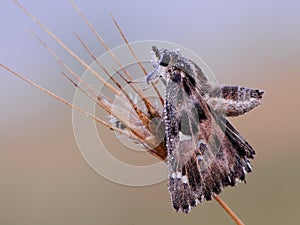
<point x="163" y="59"/>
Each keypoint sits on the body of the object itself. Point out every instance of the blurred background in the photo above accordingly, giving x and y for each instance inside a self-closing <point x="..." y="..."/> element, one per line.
<point x="43" y="177"/>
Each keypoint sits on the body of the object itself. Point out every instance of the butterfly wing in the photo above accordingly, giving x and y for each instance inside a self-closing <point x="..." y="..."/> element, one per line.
<point x="234" y="100"/>
<point x="205" y="152"/>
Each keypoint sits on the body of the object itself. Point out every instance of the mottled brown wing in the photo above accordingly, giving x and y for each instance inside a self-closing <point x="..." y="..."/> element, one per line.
<point x="205" y="152"/>
<point x="234" y="100"/>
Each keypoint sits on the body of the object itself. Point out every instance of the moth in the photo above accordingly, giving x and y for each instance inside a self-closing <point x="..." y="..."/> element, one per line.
<point x="205" y="153"/>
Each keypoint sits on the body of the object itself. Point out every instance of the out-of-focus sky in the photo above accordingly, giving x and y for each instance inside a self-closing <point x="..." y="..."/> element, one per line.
<point x="45" y="180"/>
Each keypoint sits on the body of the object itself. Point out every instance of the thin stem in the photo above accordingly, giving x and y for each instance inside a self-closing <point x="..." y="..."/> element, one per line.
<point x="100" y="39"/>
<point x="56" y="96"/>
<point x="128" y="45"/>
<point x="98" y="100"/>
<point x="66" y="48"/>
<point x="61" y="62"/>
<point x="141" y="115"/>
<point x="228" y="210"/>
<point x="147" y="103"/>
<point x="135" y="57"/>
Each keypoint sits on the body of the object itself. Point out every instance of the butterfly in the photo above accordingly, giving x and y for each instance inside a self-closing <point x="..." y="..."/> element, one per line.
<point x="205" y="153"/>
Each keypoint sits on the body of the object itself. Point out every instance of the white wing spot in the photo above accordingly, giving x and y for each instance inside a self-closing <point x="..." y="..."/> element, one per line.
<point x="249" y="165"/>
<point x="229" y="178"/>
<point x="173" y="175"/>
<point x="178" y="175"/>
<point x="183" y="137"/>
<point x="184" y="179"/>
<point x="244" y="170"/>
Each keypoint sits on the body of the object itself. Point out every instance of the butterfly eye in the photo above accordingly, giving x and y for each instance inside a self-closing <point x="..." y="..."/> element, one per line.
<point x="165" y="60"/>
